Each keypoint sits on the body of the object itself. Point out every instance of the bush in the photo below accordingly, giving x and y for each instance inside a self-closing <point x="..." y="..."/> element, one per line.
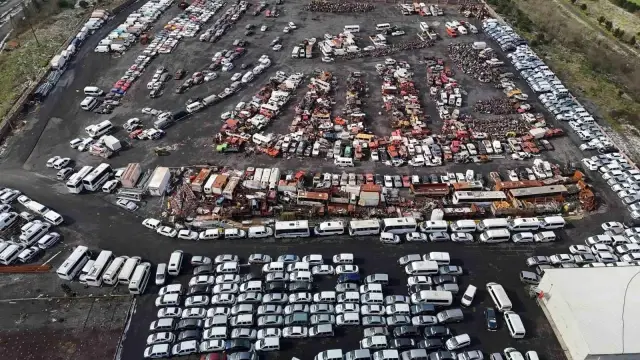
<point x="601" y="19"/>
<point x="83" y="4"/>
<point x="583" y="7"/>
<point x="632" y="41"/>
<point x="608" y="24"/>
<point x="65" y="4"/>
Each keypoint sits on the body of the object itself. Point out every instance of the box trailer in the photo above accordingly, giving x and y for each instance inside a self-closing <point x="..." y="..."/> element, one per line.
<point x="219" y="184"/>
<point x="131" y="175"/>
<point x="198" y="183"/>
<point x="159" y="181"/>
<point x="274" y="178"/>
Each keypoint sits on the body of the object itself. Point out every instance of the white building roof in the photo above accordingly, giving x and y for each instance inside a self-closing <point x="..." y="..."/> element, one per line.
<point x="596" y="310"/>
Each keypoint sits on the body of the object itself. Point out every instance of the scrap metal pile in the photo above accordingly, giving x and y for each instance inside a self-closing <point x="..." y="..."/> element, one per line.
<point x="496" y="106"/>
<point x="389" y="50"/>
<point x="477" y="63"/>
<point x="400" y="95"/>
<point x="339" y="7"/>
<point x="443" y="88"/>
<point x="313" y="112"/>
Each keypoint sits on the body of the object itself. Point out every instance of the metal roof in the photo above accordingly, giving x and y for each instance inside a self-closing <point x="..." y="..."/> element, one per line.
<point x="539" y="191"/>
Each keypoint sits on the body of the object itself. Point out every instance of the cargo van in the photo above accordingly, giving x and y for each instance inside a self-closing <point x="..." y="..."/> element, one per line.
<point x="259" y="232"/>
<point x="493" y="224"/>
<point x="194" y="106"/>
<point x="434" y="226"/>
<point x="175" y="263"/>
<point x="524" y="224"/>
<point x="552" y="222"/>
<point x="88" y="103"/>
<point x="53" y="217"/>
<point x="93" y="91"/>
<point x="499" y="296"/>
<point x="333" y="354"/>
<point x="102" y="49"/>
<point x="343" y="162"/>
<point x="495" y="236"/>
<point x="34" y="232"/>
<point x="463" y="226"/>
<point x="433" y="297"/>
<point x="421" y="268"/>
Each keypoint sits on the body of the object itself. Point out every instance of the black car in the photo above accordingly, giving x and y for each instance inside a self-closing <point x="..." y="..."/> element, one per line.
<point x="275" y="287"/>
<point x="237" y="345"/>
<point x="491" y="319"/>
<point x="199" y="290"/>
<point x="422" y="309"/>
<point x="431" y="344"/>
<point x="204" y="270"/>
<point x="378" y="179"/>
<point x="189" y="335"/>
<point x="434" y="178"/>
<point x="250" y="277"/>
<point x="406" y="331"/>
<point x="437" y="331"/>
<point x="402" y="343"/>
<point x="444" y="279"/>
<point x="300" y="286"/>
<point x="442" y="355"/>
<point x="189" y="324"/>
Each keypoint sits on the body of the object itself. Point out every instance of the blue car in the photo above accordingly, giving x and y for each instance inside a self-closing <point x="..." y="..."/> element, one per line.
<point x="349" y="278"/>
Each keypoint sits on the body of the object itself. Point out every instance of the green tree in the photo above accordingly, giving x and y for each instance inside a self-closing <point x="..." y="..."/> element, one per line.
<point x="632" y="41"/>
<point x="583" y="7"/>
<point x="608" y="25"/>
<point x="573" y="1"/>
<point x="601" y="19"/>
<point x="83" y="4"/>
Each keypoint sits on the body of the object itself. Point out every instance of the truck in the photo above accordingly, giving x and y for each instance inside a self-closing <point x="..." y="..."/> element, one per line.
<point x="308" y="50"/>
<point x="58" y="62"/>
<point x="112" y="143"/>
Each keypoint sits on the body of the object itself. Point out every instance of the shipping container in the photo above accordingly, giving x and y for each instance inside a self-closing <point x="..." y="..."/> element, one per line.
<point x="274" y="178"/>
<point x="208" y="186"/>
<point x="159" y="181"/>
<point x="266" y="175"/>
<point x="258" y="174"/>
<point x="369" y="198"/>
<point x="131" y="175"/>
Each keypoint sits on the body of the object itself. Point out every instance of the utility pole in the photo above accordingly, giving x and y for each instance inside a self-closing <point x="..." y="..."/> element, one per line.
<point x="24" y="11"/>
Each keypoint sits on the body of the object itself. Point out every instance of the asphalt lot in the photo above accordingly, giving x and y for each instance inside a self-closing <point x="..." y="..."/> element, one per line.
<point x="93" y="220"/>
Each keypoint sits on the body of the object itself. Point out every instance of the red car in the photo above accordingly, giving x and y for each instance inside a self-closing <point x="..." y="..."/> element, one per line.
<point x="179" y="74"/>
<point x="406" y="181"/>
<point x="369" y="178"/>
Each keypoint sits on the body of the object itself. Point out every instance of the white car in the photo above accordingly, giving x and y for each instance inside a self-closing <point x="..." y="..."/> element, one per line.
<point x="461" y="237"/>
<point x="212" y="346"/>
<point x="264" y="28"/>
<point x="300" y="298"/>
<point x="276" y="47"/>
<point x="127" y="204"/>
<point x="347" y="269"/>
<point x="194" y="313"/>
<point x="202" y="280"/>
<point x="61" y="163"/>
<point x="236" y="77"/>
<point x="225" y="289"/>
<point x="419" y="280"/>
<point x="558" y="259"/>
<point x="417" y="236"/>
<point x="595" y="249"/>
<point x="346" y="308"/>
<point x="323" y="270"/>
<point x="110" y="185"/>
<point x="606" y="257"/>
<point x="52" y="160"/>
<point x="579" y="249"/>
<point x="48" y="240"/>
<point x="615" y="226"/>
<point x="188" y="234"/>
<point x="228" y="279"/>
<point x="630" y="257"/>
<point x="269" y="332"/>
<point x="328" y="59"/>
<point x="367" y="310"/>
<point x="170" y="312"/>
<point x="151" y="223"/>
<point x="294" y="332"/>
<point x="167" y="231"/>
<point x="75" y="143"/>
<point x="223" y="299"/>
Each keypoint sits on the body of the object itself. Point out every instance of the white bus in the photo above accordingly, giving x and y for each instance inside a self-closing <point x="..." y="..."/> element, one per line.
<point x="298" y="228"/>
<point x="499" y="296"/>
<point x="364" y="227"/>
<point x="478" y="197"/>
<point x="74" y="184"/>
<point x="329" y="228"/>
<point x="352" y="28"/>
<point x="99" y="129"/>
<point x="74" y="263"/>
<point x="94" y="277"/>
<point x="110" y="276"/>
<point x="401" y="225"/>
<point x="140" y="278"/>
<point x="381" y="27"/>
<point x="127" y="270"/>
<point x="97" y="177"/>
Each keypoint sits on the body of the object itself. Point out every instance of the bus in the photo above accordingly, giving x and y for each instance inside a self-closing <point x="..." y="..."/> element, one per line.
<point x="383" y="27"/>
<point x="127" y="270"/>
<point x="110" y="276"/>
<point x="352" y="28"/>
<point x="364" y="227"/>
<point x="74" y="263"/>
<point x="74" y="184"/>
<point x="329" y="228"/>
<point x="94" y="277"/>
<point x="140" y="278"/>
<point x="298" y="228"/>
<point x="401" y="225"/>
<point x="97" y="177"/>
<point x="478" y="197"/>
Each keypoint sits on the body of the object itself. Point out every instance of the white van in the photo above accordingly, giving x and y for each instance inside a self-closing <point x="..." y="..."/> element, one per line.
<point x="93" y="91"/>
<point x="514" y="324"/>
<point x="53" y="217"/>
<point x="101" y="49"/>
<point x="552" y="222"/>
<point x="463" y="226"/>
<point x="88" y="103"/>
<point x="175" y="263"/>
<point x="493" y="224"/>
<point x="545" y="236"/>
<point x="259" y="232"/>
<point x="343" y="162"/>
<point x="34" y="232"/>
<point x="434" y="226"/>
<point x="499" y="296"/>
<point x="373" y="298"/>
<point x="421" y="268"/>
<point x="495" y="236"/>
<point x="210" y="234"/>
<point x="9" y="254"/>
<point x="100" y="129"/>
<point x="433" y="297"/>
<point x="110" y="277"/>
<point x="194" y="106"/>
<point x="524" y="224"/>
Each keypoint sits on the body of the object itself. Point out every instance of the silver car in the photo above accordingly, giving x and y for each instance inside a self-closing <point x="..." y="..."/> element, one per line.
<point x="270" y="321"/>
<point x="322" y="309"/>
<point x="269" y="309"/>
<point x="317" y="319"/>
<point x="243" y="333"/>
